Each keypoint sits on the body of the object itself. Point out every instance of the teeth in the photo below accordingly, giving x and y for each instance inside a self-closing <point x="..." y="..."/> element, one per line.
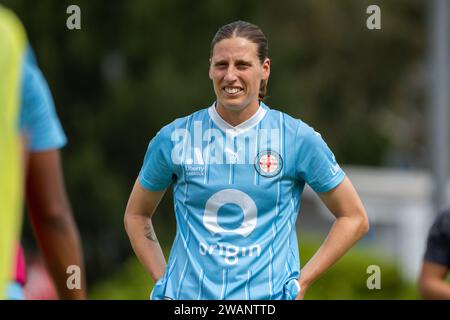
<point x="232" y="90"/>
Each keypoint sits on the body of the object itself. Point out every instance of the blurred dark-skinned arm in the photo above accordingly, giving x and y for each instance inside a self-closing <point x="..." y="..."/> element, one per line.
<point x="52" y="220"/>
<point x="432" y="282"/>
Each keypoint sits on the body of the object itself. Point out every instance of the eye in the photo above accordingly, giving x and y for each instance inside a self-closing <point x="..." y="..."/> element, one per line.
<point x="242" y="65"/>
<point x="221" y="65"/>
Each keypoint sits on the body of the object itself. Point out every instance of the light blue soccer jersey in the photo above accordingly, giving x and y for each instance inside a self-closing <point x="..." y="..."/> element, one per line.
<point x="236" y="197"/>
<point x="38" y="119"/>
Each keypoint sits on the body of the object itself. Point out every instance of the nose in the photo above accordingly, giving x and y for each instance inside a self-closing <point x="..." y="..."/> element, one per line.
<point x="230" y="75"/>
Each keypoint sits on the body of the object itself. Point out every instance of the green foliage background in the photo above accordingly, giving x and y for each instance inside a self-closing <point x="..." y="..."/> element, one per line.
<point x="137" y="65"/>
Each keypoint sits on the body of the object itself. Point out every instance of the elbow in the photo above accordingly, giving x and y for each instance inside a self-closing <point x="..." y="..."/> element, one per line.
<point x="57" y="217"/>
<point x="126" y="220"/>
<point x="364" y="225"/>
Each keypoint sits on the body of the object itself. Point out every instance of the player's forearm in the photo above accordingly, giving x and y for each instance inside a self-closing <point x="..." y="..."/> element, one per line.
<point x="61" y="247"/>
<point x="344" y="233"/>
<point x="145" y="244"/>
<point x="435" y="289"/>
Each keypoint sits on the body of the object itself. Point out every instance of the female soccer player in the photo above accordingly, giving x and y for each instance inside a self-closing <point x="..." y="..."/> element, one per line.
<point x="238" y="169"/>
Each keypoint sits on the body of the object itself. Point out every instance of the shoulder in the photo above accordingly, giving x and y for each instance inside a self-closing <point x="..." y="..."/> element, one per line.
<point x="438" y="242"/>
<point x="182" y="123"/>
<point x="34" y="84"/>
<point x="30" y="66"/>
<point x="442" y="223"/>
<point x="291" y="124"/>
<point x="12" y="28"/>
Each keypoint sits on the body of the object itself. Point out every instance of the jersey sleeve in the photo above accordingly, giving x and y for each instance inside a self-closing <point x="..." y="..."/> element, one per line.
<point x="157" y="171"/>
<point x="38" y="119"/>
<point x="438" y="242"/>
<point x="315" y="163"/>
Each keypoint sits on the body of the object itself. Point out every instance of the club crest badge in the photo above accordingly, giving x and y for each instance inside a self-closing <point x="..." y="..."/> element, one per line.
<point x="268" y="163"/>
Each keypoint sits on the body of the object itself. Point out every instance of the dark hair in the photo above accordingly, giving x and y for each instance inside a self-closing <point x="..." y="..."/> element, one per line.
<point x="250" y="32"/>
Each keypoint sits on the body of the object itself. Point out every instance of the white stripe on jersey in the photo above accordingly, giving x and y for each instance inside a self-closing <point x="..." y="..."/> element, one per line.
<point x="287" y="268"/>
<point x="200" y="284"/>
<point x="270" y="272"/>
<point x="247" y="285"/>
<point x="277" y="207"/>
<point x="257" y="151"/>
<point x="183" y="274"/>
<point x="280" y="149"/>
<point x="180" y="234"/>
<point x="186" y="240"/>
<point x="224" y="284"/>
<point x="208" y="151"/>
<point x="171" y="267"/>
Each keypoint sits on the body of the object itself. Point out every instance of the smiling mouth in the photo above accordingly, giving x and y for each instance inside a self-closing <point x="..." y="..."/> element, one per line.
<point x="232" y="90"/>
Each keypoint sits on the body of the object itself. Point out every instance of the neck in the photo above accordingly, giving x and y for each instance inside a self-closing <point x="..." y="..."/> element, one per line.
<point x="236" y="117"/>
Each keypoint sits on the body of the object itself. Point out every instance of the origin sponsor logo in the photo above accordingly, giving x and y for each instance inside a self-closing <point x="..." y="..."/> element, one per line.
<point x="230" y="253"/>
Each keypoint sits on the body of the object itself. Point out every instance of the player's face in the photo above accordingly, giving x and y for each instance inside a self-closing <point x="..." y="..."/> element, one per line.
<point x="236" y="72"/>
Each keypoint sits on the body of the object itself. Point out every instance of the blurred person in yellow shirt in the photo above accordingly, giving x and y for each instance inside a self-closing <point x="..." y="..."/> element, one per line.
<point x="47" y="202"/>
<point x="12" y="50"/>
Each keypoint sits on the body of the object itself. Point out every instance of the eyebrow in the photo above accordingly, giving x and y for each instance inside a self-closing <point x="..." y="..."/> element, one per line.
<point x="220" y="62"/>
<point x="240" y="61"/>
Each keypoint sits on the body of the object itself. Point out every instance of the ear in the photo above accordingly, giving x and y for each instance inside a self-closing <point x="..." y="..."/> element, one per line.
<point x="266" y="69"/>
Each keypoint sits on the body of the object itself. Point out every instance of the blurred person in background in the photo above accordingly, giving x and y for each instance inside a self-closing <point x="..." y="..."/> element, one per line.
<point x="236" y="235"/>
<point x="48" y="206"/>
<point x="12" y="50"/>
<point x="433" y="282"/>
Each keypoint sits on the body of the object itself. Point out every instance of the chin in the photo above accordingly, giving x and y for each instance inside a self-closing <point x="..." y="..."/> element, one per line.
<point x="234" y="106"/>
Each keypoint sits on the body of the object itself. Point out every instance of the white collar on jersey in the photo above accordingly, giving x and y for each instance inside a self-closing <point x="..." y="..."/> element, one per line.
<point x="244" y="126"/>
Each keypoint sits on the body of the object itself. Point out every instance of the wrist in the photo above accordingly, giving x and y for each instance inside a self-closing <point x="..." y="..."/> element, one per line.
<point x="304" y="283"/>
